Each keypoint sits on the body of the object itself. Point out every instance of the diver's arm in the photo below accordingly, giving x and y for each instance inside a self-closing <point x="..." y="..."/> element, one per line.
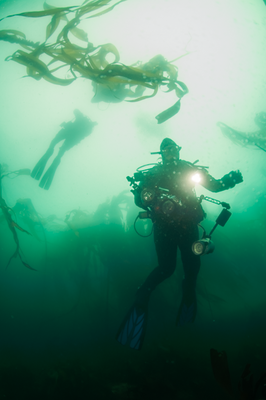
<point x="228" y="181"/>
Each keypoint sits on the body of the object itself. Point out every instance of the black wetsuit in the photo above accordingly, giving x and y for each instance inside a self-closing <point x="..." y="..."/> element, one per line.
<point x="71" y="134"/>
<point x="175" y="222"/>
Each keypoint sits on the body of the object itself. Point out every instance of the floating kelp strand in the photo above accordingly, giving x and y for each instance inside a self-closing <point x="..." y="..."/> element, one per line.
<point x="44" y="13"/>
<point x="155" y="90"/>
<point x="70" y="25"/>
<point x="96" y="5"/>
<point x="10" y="33"/>
<point x="53" y="25"/>
<point x="13" y="36"/>
<point x="169" y="113"/>
<point x="37" y="68"/>
<point x="253" y="139"/>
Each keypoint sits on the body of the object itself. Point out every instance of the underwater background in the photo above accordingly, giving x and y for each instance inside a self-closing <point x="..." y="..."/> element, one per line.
<point x="83" y="260"/>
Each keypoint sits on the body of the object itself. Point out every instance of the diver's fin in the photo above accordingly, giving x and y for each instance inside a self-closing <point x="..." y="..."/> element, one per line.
<point x="39" y="167"/>
<point x="186" y="314"/>
<point x="132" y="330"/>
<point x="49" y="175"/>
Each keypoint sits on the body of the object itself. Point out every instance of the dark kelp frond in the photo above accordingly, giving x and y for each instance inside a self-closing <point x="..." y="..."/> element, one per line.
<point x="11" y="32"/>
<point x="220" y="370"/>
<point x="169" y="113"/>
<point x="13" y="36"/>
<point x="37" y="69"/>
<point x="12" y="225"/>
<point x="15" y="174"/>
<point x="52" y="26"/>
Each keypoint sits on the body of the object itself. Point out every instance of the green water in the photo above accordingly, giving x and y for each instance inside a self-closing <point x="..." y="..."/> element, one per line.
<point x="58" y="323"/>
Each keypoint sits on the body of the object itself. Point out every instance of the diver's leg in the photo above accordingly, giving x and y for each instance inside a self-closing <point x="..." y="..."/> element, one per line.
<point x="39" y="167"/>
<point x="49" y="174"/>
<point x="61" y="135"/>
<point x="191" y="264"/>
<point x="166" y="249"/>
<point x="133" y="328"/>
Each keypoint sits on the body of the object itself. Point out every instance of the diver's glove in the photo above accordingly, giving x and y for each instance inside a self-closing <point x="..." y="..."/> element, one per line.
<point x="232" y="179"/>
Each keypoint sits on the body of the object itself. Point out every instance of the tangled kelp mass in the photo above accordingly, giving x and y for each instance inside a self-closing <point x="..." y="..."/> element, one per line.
<point x="90" y="62"/>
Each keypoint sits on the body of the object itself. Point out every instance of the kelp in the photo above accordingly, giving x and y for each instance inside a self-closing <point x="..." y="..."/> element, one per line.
<point x="36" y="68"/>
<point x="14" y="174"/>
<point x="44" y="13"/>
<point x="247" y="388"/>
<point x="12" y="224"/>
<point x="91" y="62"/>
<point x="220" y="370"/>
<point x="254" y="140"/>
<point x="14" y="36"/>
<point x="26" y="212"/>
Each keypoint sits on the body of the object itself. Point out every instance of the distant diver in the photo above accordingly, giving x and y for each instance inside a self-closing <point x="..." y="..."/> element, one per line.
<point x="166" y="192"/>
<point x="250" y="139"/>
<point x="72" y="133"/>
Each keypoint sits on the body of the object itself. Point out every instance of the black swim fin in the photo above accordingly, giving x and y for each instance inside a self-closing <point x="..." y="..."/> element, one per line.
<point x="132" y="330"/>
<point x="48" y="177"/>
<point x="186" y="314"/>
<point x="188" y="308"/>
<point x="39" y="167"/>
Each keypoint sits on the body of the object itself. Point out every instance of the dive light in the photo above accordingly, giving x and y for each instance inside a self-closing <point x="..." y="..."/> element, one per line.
<point x="205" y="245"/>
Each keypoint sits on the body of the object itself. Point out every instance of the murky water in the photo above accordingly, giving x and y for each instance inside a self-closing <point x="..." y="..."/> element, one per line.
<point x="58" y="321"/>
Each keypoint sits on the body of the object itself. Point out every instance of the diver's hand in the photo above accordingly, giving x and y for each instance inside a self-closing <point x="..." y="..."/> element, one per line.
<point x="233" y="178"/>
<point x="236" y="176"/>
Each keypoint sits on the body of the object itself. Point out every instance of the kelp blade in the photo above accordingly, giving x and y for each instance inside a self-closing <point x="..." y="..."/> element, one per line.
<point x="169" y="113"/>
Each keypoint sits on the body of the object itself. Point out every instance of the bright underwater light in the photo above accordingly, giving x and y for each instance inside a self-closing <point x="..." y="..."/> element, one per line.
<point x="196" y="178"/>
<point x="203" y="246"/>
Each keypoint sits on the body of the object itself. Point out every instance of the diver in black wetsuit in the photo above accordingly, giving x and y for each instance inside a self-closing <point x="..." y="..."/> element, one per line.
<point x="72" y="133"/>
<point x="167" y="192"/>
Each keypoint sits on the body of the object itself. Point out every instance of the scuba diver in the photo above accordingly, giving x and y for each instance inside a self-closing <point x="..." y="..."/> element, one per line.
<point x="72" y="133"/>
<point x="166" y="192"/>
